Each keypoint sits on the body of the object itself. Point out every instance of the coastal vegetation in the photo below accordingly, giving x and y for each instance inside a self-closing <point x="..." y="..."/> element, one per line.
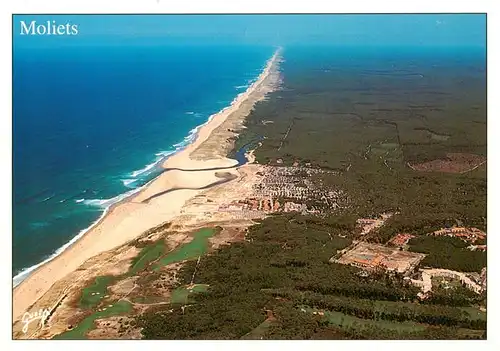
<point x="449" y="253"/>
<point x="183" y="294"/>
<point x="191" y="250"/>
<point x="92" y="295"/>
<point x="99" y="302"/>
<point x="370" y="134"/>
<point x="147" y="255"/>
<point x="285" y="266"/>
<point x="369" y="128"/>
<point x="79" y="332"/>
<point x="279" y="281"/>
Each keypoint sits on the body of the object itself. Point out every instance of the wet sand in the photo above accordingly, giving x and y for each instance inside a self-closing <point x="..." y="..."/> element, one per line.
<point x="128" y="219"/>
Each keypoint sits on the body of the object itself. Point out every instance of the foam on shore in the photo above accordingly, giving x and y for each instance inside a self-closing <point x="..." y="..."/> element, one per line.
<point x="106" y="204"/>
<point x="32" y="283"/>
<point x="26" y="272"/>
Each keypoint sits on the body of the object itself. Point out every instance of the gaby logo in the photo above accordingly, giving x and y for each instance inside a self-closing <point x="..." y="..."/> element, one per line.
<point x="41" y="314"/>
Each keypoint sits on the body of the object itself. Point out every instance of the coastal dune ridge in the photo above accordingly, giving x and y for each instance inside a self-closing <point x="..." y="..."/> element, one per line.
<point x="130" y="216"/>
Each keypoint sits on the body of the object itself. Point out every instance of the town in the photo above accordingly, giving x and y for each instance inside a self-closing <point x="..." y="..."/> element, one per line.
<point x="394" y="257"/>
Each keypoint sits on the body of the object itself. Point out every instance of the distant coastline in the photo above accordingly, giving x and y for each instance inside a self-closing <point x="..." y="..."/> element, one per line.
<point x="32" y="283"/>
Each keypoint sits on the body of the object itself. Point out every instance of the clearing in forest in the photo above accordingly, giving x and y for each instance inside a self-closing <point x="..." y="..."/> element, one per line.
<point x="453" y="163"/>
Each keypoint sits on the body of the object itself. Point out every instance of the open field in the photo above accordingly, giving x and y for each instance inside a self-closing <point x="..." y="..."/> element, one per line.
<point x="453" y="163"/>
<point x="182" y="294"/>
<point x="346" y="321"/>
<point x="360" y="326"/>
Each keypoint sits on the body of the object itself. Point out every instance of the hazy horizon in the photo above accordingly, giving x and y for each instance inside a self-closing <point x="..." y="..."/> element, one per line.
<point x="460" y="30"/>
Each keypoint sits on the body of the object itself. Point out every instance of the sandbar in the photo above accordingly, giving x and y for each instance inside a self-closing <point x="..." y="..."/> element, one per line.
<point x="131" y="217"/>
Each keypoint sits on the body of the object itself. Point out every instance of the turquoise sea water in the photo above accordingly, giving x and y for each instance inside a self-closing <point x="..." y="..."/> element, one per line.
<point x="92" y="123"/>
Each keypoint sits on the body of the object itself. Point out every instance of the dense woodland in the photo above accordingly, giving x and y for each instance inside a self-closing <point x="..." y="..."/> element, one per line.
<point x="448" y="253"/>
<point x="285" y="265"/>
<point x="369" y="123"/>
<point x="342" y="115"/>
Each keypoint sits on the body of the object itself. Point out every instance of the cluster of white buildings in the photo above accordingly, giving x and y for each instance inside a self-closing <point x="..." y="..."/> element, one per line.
<point x="295" y="183"/>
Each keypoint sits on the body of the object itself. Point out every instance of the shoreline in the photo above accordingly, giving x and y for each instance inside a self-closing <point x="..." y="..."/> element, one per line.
<point x="122" y="197"/>
<point x="128" y="218"/>
<point x="130" y="194"/>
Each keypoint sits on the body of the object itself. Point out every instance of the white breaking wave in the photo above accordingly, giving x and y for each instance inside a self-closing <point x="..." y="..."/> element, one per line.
<point x="105" y="204"/>
<point x="160" y="156"/>
<point x="143" y="170"/>
<point x="127" y="182"/>
<point x="26" y="272"/>
<point x="48" y="198"/>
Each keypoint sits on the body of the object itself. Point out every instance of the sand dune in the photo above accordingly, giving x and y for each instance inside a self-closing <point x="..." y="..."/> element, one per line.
<point x="130" y="218"/>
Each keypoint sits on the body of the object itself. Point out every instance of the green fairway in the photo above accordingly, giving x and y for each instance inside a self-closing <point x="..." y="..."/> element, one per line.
<point x="347" y="321"/>
<point x="181" y="295"/>
<point x="92" y="295"/>
<point x="200" y="288"/>
<point x="80" y="331"/>
<point x="195" y="248"/>
<point x="257" y="333"/>
<point x="349" y="142"/>
<point x="146" y="300"/>
<point x="147" y="255"/>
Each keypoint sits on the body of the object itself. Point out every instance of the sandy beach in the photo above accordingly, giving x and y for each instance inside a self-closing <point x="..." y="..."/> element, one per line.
<point x="128" y="219"/>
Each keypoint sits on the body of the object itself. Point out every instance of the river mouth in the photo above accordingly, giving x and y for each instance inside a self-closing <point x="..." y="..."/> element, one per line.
<point x="240" y="157"/>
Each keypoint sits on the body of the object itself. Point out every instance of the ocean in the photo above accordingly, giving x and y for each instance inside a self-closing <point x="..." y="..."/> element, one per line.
<point x="92" y="123"/>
